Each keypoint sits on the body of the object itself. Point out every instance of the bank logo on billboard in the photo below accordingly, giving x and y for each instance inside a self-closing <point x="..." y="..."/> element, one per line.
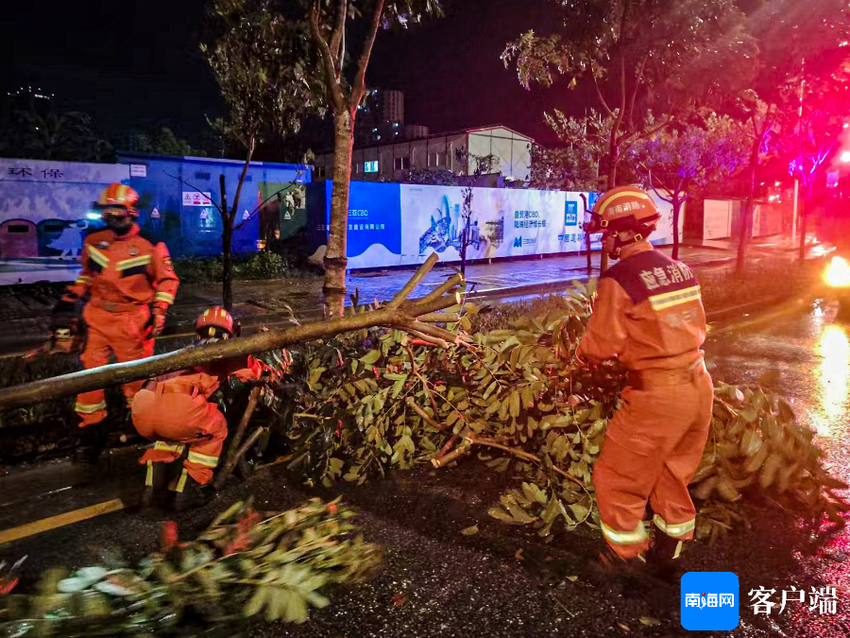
<point x="571" y="214"/>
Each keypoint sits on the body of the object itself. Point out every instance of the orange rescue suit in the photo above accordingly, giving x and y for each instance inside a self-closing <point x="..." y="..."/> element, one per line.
<point x="649" y="315"/>
<point x="122" y="275"/>
<point x="175" y="412"/>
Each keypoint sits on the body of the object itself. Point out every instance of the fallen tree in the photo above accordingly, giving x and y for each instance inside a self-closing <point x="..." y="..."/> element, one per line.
<point x="417" y="316"/>
<point x="378" y="400"/>
<point x="277" y="565"/>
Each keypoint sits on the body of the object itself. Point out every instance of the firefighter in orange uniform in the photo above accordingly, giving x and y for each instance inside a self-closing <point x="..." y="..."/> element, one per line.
<point x="649" y="315"/>
<point x="174" y="411"/>
<point x="130" y="283"/>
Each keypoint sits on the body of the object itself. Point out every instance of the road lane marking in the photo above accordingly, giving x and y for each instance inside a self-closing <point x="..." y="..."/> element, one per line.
<point x="61" y="520"/>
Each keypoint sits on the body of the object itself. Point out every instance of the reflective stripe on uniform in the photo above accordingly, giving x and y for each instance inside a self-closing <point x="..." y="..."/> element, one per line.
<point x="163" y="296"/>
<point x="144" y="260"/>
<point x="638" y="535"/>
<point x="668" y="299"/>
<point x="89" y="408"/>
<point x="203" y="459"/>
<point x="162" y="446"/>
<point x="149" y="475"/>
<point x="82" y="280"/>
<point x="98" y="257"/>
<point x="676" y="530"/>
<point x="181" y="482"/>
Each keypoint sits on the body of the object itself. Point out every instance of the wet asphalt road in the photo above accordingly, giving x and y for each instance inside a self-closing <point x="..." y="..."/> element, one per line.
<point x="439" y="583"/>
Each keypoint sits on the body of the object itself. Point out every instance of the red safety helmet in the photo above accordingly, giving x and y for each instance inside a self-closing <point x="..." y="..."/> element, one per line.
<point x="118" y="195"/>
<point x="624" y="208"/>
<point x="213" y="322"/>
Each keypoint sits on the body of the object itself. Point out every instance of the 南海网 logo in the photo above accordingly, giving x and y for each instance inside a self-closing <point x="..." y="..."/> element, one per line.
<point x="709" y="601"/>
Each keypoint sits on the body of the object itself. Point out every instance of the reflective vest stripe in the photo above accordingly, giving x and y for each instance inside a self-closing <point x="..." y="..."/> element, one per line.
<point x="181" y="482"/>
<point x="177" y="448"/>
<point x="89" y="408"/>
<point x="82" y="280"/>
<point x="676" y="530"/>
<point x="132" y="263"/>
<point x="149" y="475"/>
<point x="668" y="299"/>
<point x="638" y="535"/>
<point x="203" y="459"/>
<point x="98" y="257"/>
<point x="163" y="296"/>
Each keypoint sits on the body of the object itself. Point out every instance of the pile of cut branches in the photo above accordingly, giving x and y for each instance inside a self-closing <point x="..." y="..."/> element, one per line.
<point x="244" y="564"/>
<point x="512" y="398"/>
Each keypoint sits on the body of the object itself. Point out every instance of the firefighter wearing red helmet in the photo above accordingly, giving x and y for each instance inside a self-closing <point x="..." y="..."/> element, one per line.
<point x="174" y="411"/>
<point x="649" y="315"/>
<point x="130" y="283"/>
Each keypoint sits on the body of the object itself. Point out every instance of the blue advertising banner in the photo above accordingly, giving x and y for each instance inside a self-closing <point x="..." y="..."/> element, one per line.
<point x="374" y="222"/>
<point x="402" y="224"/>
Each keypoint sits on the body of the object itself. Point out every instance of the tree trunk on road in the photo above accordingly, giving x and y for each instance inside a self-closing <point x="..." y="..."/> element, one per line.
<point x="399" y="313"/>
<point x="336" y="261"/>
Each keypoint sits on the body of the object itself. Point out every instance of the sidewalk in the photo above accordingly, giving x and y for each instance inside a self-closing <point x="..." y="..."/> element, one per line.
<point x="24" y="322"/>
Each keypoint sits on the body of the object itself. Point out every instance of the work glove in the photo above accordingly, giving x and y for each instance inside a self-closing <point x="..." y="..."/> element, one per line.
<point x="156" y="324"/>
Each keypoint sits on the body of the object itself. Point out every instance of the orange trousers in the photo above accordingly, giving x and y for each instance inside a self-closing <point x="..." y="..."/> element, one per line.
<point x="175" y="420"/>
<point x="111" y="333"/>
<point x="653" y="447"/>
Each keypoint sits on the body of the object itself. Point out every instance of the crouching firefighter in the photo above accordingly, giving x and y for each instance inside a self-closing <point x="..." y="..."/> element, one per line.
<point x="649" y="315"/>
<point x="130" y="283"/>
<point x="173" y="410"/>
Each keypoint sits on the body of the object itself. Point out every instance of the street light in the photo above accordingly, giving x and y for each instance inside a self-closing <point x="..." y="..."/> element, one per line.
<point x="844" y="158"/>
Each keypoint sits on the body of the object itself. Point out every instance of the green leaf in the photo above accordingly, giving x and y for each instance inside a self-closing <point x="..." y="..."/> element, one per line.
<point x="257" y="601"/>
<point x="370" y="357"/>
<point x="399" y="386"/>
<point x="470" y="531"/>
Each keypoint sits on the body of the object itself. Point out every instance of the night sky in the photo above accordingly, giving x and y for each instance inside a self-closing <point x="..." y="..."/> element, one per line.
<point x="137" y="64"/>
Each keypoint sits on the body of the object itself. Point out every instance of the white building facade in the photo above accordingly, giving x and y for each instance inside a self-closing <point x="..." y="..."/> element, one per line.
<point x="393" y="162"/>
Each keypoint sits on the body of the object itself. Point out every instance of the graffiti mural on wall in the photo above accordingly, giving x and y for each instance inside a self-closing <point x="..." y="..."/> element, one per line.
<point x="45" y="213"/>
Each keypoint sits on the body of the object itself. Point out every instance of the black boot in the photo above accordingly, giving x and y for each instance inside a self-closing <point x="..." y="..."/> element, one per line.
<point x="663" y="558"/>
<point x="156" y="486"/>
<point x="92" y="443"/>
<point x="186" y="493"/>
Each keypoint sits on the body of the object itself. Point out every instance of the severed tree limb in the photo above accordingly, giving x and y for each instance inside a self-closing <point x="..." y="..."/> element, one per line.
<point x="409" y="287"/>
<point x="120" y="373"/>
<point x="472" y="440"/>
<point x="453" y="282"/>
<point x="440" y="317"/>
<point x="425" y="417"/>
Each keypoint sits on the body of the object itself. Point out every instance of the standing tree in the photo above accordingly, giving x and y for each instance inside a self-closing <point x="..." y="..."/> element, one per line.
<point x="630" y="50"/>
<point x="677" y="164"/>
<point x="264" y="92"/>
<point x="343" y="63"/>
<point x="787" y="34"/>
<point x="69" y="137"/>
<point x="815" y="132"/>
<point x="484" y="165"/>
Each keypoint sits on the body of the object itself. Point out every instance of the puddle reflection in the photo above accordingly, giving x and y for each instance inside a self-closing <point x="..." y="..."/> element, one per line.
<point x="834" y="349"/>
